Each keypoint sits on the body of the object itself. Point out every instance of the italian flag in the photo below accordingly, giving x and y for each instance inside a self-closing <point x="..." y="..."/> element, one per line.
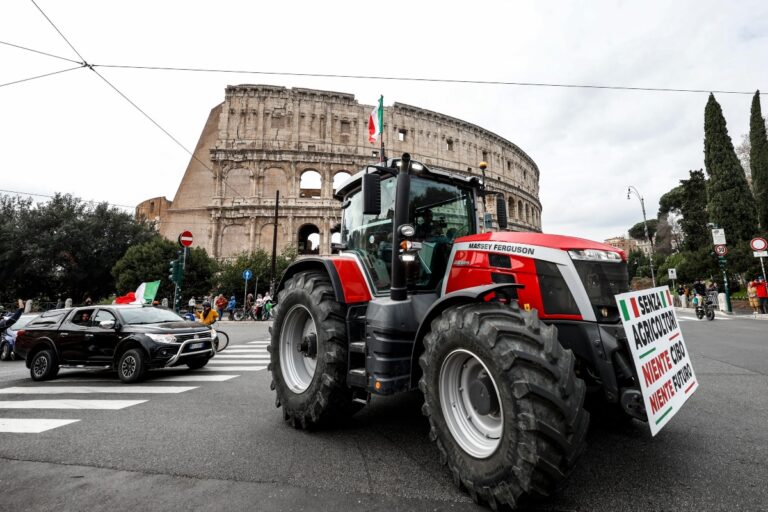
<point x="376" y="121"/>
<point x="146" y="292"/>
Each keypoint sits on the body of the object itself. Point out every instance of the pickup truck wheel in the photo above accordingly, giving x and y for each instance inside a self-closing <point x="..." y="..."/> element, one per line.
<point x="309" y="353"/>
<point x="44" y="365"/>
<point x="196" y="364"/>
<point x="5" y="351"/>
<point x="132" y="366"/>
<point x="504" y="404"/>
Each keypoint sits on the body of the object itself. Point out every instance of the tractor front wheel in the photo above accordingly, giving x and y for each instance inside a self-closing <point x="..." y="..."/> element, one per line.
<point x="503" y="401"/>
<point x="309" y="353"/>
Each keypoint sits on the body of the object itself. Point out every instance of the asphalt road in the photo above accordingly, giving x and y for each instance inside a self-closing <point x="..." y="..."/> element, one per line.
<point x="222" y="445"/>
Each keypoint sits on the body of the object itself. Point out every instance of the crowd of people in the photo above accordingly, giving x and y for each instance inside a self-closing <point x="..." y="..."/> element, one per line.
<point x="757" y="293"/>
<point x="211" y="309"/>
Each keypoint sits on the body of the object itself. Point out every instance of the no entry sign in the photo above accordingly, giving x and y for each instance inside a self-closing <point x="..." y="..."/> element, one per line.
<point x="658" y="352"/>
<point x="185" y="238"/>
<point x="758" y="244"/>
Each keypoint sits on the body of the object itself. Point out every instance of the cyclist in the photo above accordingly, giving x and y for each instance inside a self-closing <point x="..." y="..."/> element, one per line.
<point x="208" y="315"/>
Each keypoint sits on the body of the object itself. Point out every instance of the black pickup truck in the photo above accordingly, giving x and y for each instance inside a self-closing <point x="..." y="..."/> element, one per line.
<point x="129" y="339"/>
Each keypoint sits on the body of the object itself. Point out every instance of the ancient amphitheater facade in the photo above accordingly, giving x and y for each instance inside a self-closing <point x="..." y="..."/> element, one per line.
<point x="301" y="143"/>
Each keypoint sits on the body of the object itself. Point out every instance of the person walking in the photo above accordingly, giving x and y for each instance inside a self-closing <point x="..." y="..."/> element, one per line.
<point x="220" y="303"/>
<point x="231" y="307"/>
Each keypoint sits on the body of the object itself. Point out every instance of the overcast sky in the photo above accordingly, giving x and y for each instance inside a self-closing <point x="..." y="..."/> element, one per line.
<point x="72" y="133"/>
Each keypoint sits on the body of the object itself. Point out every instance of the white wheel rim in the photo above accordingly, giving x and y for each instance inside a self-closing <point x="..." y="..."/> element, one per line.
<point x="298" y="370"/>
<point x="477" y="434"/>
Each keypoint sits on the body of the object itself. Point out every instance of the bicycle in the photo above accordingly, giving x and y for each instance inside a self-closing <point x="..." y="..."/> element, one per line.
<point x="221" y="341"/>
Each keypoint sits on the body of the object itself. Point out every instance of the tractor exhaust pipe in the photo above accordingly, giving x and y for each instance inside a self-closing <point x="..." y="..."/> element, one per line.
<point x="398" y="289"/>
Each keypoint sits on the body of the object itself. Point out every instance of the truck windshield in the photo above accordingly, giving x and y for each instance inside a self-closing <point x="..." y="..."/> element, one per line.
<point x="440" y="212"/>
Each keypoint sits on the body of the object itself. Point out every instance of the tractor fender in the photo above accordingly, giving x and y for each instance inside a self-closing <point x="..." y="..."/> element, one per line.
<point x="465" y="296"/>
<point x="324" y="265"/>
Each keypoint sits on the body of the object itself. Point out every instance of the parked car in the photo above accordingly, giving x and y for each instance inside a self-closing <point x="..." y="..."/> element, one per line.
<point x="127" y="338"/>
<point x="8" y="337"/>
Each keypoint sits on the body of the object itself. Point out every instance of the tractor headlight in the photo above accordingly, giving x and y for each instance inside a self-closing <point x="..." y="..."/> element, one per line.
<point x="162" y="338"/>
<point x="595" y="255"/>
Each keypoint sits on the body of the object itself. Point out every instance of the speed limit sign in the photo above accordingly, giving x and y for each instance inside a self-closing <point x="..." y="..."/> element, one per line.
<point x="721" y="250"/>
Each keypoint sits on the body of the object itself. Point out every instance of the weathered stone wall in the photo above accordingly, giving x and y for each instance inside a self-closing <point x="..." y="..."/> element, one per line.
<point x="264" y="139"/>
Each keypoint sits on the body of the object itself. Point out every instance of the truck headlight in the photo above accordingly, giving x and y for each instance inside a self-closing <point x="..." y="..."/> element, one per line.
<point x="595" y="255"/>
<point x="162" y="338"/>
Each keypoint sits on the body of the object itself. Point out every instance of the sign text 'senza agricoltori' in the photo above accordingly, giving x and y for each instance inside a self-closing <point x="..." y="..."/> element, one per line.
<point x="659" y="353"/>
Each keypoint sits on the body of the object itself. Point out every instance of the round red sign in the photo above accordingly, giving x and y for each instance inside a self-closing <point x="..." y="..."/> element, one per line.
<point x="758" y="244"/>
<point x="185" y="238"/>
<point x="721" y="250"/>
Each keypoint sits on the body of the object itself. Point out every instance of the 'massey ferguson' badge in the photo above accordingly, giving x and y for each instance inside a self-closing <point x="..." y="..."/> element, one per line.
<point x="659" y="353"/>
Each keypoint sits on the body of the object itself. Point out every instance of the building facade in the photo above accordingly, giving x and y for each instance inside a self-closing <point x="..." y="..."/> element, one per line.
<point x="301" y="144"/>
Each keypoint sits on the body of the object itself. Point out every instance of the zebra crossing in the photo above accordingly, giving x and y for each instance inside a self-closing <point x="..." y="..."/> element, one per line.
<point x="78" y="392"/>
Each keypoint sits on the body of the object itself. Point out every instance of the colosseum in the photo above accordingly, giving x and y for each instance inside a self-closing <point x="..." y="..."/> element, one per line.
<point x="302" y="143"/>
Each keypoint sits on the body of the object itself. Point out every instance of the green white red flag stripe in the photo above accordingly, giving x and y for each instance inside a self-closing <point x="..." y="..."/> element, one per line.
<point x="376" y="121"/>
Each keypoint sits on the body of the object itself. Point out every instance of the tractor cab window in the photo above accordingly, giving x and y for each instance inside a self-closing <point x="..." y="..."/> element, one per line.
<point x="440" y="212"/>
<point x="370" y="236"/>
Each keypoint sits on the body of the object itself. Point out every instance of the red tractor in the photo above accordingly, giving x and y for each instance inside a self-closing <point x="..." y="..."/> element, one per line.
<point x="504" y="333"/>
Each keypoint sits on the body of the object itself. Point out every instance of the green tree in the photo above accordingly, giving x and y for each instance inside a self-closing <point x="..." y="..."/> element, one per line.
<point x="230" y="277"/>
<point x="758" y="160"/>
<point x="731" y="205"/>
<point x="63" y="246"/>
<point x="693" y="208"/>
<point x="638" y="230"/>
<point x="150" y="261"/>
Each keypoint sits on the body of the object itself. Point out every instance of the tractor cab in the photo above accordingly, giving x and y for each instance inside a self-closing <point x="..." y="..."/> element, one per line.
<point x="440" y="207"/>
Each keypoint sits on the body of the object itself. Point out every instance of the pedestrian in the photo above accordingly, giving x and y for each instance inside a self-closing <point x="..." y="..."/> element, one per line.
<point x="259" y="306"/>
<point x="220" y="303"/>
<point x="762" y="294"/>
<point x="754" y="302"/>
<point x="192" y="304"/>
<point x="231" y="307"/>
<point x="88" y="301"/>
<point x="59" y="303"/>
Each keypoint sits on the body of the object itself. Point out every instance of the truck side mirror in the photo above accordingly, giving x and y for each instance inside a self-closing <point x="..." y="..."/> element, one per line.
<point x="501" y="212"/>
<point x="371" y="194"/>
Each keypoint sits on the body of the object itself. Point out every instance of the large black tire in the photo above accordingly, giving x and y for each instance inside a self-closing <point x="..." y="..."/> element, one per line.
<point x="44" y="365"/>
<point x="710" y="314"/>
<point x="699" y="313"/>
<point x="541" y="421"/>
<point x="319" y="395"/>
<point x="132" y="366"/>
<point x="5" y="351"/>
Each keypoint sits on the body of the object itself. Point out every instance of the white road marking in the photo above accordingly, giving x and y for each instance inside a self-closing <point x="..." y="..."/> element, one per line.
<point x="119" y="389"/>
<point x="245" y="349"/>
<point x="197" y="378"/>
<point x="241" y="356"/>
<point x="69" y="404"/>
<point x="259" y="342"/>
<point x="233" y="368"/>
<point x="30" y="426"/>
<point x="239" y="361"/>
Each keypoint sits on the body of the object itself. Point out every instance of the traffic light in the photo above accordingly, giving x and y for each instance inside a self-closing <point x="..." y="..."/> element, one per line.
<point x="175" y="272"/>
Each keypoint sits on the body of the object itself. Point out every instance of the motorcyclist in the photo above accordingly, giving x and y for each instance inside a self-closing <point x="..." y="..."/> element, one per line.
<point x="208" y="315"/>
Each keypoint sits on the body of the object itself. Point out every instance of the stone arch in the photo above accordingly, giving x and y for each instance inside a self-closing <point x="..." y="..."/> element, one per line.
<point x="237" y="183"/>
<point x="310" y="184"/>
<point x="234" y="239"/>
<point x="512" y="207"/>
<point x="308" y="239"/>
<point x="527" y="214"/>
<point x="520" y="211"/>
<point x="266" y="234"/>
<point x="340" y="177"/>
<point x="274" y="180"/>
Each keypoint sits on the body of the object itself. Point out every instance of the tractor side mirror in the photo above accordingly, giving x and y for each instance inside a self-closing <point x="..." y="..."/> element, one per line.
<point x="371" y="194"/>
<point x="501" y="212"/>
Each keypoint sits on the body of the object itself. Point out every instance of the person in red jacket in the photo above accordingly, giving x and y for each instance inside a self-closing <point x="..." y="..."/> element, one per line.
<point x="762" y="294"/>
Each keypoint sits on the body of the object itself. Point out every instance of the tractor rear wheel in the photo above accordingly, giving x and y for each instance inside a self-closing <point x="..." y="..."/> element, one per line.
<point x="309" y="353"/>
<point x="504" y="404"/>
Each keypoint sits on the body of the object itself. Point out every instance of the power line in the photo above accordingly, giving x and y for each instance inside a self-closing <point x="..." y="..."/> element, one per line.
<point x="92" y="201"/>
<point x="59" y="31"/>
<point x="431" y="80"/>
<point x="40" y="52"/>
<point x="39" y="76"/>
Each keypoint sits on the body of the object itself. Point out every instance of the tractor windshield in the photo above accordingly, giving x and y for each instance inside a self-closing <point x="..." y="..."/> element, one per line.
<point x="440" y="212"/>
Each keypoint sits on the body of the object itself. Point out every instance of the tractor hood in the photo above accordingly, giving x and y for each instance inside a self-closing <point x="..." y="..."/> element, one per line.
<point x="561" y="242"/>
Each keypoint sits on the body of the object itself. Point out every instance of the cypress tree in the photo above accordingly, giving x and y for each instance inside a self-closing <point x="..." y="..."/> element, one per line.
<point x="731" y="205"/>
<point x="693" y="208"/>
<point x="758" y="160"/>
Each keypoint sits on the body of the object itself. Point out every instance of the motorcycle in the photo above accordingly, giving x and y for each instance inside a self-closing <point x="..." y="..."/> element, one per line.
<point x="704" y="306"/>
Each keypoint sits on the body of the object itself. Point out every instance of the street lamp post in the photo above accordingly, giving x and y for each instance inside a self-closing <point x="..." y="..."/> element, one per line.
<point x="645" y="225"/>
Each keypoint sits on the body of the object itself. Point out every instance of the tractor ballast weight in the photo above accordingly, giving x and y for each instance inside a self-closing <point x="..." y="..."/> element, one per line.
<point x="503" y="332"/>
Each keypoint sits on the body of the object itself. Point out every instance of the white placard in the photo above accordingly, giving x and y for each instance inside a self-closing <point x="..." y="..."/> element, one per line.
<point x="718" y="237"/>
<point x="760" y="254"/>
<point x="659" y="353"/>
<point x="672" y="273"/>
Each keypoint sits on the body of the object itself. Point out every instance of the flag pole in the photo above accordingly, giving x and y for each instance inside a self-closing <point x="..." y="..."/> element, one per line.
<point x="381" y="105"/>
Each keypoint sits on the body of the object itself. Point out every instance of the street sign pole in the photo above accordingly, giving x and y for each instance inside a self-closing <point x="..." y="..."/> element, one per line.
<point x="247" y="274"/>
